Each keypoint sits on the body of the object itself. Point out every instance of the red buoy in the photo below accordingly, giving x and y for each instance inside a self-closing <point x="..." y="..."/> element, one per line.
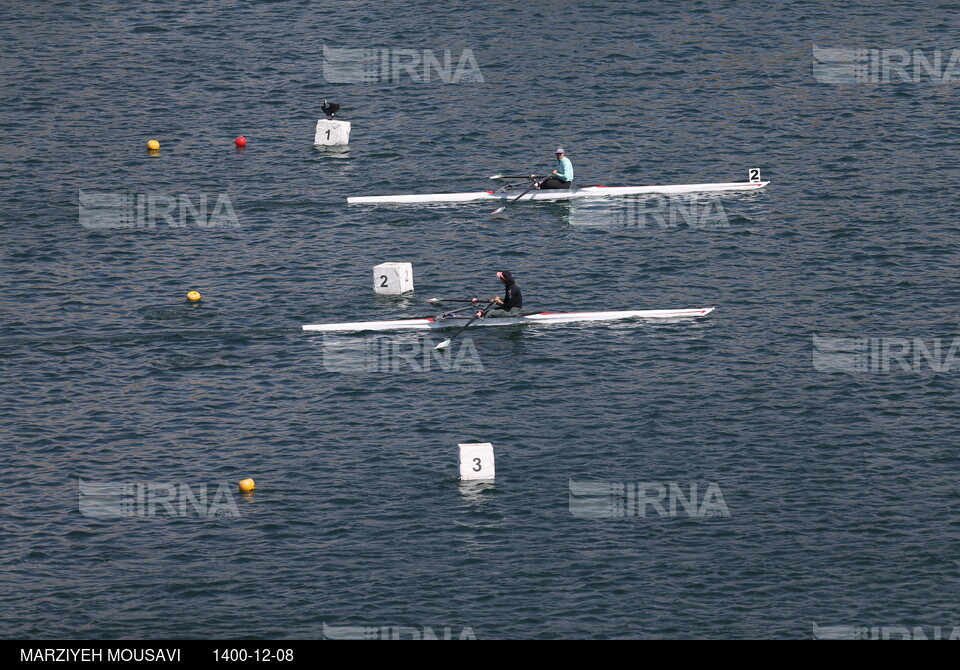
<point x="241" y="141"/>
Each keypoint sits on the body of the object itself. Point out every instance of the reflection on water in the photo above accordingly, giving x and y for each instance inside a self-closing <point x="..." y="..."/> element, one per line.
<point x="473" y="492"/>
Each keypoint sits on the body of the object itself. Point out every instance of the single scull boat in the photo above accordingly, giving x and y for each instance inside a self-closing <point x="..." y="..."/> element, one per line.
<point x="542" y="317"/>
<point x="513" y="191"/>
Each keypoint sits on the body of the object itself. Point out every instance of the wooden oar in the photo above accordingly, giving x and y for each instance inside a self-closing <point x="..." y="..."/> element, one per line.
<point x="446" y="343"/>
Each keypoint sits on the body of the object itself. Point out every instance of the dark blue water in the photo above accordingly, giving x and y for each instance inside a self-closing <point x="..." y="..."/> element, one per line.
<point x="842" y="488"/>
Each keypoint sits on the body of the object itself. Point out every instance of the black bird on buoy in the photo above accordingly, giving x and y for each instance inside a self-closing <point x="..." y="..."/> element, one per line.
<point x="330" y="109"/>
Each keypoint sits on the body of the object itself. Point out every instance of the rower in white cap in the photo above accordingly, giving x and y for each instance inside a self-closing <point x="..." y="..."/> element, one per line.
<point x="560" y="177"/>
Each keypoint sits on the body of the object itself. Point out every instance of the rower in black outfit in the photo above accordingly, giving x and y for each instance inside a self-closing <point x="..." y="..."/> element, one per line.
<point x="512" y="299"/>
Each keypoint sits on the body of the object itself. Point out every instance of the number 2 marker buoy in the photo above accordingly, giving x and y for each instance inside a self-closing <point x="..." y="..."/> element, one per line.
<point x="393" y="278"/>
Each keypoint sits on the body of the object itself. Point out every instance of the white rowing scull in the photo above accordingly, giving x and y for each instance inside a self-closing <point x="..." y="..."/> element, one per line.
<point x="539" y="318"/>
<point x="513" y="191"/>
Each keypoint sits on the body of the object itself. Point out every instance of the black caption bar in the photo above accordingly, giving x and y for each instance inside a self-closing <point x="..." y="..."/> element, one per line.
<point x="196" y="651"/>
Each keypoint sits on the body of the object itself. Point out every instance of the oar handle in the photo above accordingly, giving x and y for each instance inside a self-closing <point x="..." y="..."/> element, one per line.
<point x="483" y="311"/>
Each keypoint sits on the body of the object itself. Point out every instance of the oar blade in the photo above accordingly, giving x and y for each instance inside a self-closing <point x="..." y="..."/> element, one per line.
<point x="443" y="345"/>
<point x="498" y="210"/>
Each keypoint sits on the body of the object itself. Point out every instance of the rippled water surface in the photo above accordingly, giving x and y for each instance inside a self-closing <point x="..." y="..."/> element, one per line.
<point x="842" y="487"/>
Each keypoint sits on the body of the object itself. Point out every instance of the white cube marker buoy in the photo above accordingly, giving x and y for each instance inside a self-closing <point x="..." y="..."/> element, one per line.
<point x="331" y="132"/>
<point x="393" y="278"/>
<point x="476" y="461"/>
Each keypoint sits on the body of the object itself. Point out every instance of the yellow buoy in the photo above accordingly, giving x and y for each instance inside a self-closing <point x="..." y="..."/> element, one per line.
<point x="193" y="296"/>
<point x="247" y="485"/>
<point x="153" y="145"/>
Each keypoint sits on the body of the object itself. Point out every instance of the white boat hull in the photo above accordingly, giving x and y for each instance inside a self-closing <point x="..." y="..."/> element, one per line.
<point x="542" y="318"/>
<point x="560" y="194"/>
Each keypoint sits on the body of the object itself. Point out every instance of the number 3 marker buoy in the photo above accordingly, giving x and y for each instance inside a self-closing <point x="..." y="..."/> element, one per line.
<point x="476" y="461"/>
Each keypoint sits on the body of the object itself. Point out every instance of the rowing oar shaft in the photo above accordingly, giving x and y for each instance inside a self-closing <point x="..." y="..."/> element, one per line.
<point x="444" y="300"/>
<point x="500" y="209"/>
<point x="446" y="343"/>
<point x="456" y="311"/>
